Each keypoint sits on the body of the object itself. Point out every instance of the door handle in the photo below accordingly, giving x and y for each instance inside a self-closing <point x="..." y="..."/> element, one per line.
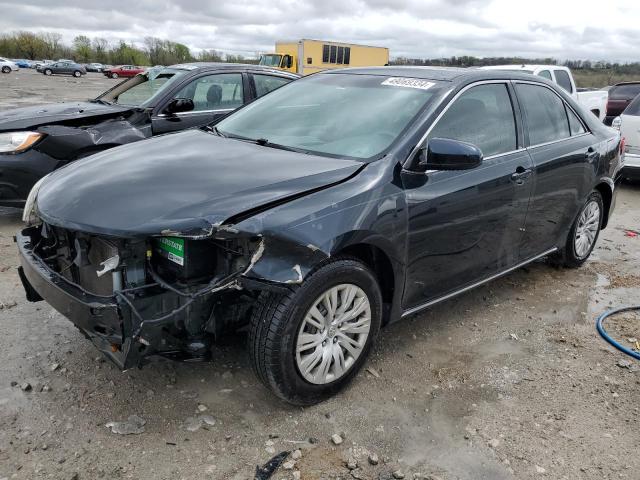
<point x="521" y="174"/>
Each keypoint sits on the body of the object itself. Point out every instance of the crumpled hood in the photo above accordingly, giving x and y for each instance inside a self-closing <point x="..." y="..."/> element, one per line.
<point x="188" y="183"/>
<point x="30" y="117"/>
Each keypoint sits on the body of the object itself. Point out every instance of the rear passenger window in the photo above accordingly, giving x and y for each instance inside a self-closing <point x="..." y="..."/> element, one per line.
<point x="575" y="125"/>
<point x="563" y="80"/>
<point x="483" y="116"/>
<point x="266" y="83"/>
<point x="633" y="108"/>
<point x="545" y="113"/>
<point x="546" y="74"/>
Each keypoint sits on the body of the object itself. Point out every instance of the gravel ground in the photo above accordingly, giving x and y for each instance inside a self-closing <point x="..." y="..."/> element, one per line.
<point x="508" y="381"/>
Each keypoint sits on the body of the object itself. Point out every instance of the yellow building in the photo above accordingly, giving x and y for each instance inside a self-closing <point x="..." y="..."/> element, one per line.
<point x="310" y="56"/>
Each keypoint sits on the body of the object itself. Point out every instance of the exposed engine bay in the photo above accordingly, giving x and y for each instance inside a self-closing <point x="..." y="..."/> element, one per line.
<point x="169" y="295"/>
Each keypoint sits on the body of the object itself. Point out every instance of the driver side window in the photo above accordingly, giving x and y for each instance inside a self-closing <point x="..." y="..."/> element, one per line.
<point x="215" y="92"/>
<point x="482" y="116"/>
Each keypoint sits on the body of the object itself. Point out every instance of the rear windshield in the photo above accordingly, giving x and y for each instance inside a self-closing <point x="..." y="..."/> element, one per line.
<point x="634" y="107"/>
<point x="625" y="91"/>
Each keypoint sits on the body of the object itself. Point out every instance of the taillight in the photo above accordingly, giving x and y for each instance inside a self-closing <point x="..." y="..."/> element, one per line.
<point x="623" y="143"/>
<point x="608" y="106"/>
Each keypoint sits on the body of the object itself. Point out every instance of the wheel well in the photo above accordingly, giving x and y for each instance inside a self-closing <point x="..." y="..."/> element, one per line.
<point x="378" y="261"/>
<point x="607" y="195"/>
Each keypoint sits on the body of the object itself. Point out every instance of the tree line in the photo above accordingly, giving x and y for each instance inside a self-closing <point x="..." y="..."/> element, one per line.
<point x="470" y="61"/>
<point x="84" y="49"/>
<point x="156" y="51"/>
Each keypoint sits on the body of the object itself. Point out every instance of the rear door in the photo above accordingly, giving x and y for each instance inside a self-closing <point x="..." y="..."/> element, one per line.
<point x="630" y="130"/>
<point x="214" y="95"/>
<point x="262" y="83"/>
<point x="564" y="157"/>
<point x="465" y="226"/>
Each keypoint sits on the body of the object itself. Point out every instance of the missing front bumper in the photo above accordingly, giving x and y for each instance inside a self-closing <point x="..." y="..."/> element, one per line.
<point x="105" y="320"/>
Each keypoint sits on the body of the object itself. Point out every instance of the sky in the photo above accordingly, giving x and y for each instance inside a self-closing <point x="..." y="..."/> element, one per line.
<point x="565" y="29"/>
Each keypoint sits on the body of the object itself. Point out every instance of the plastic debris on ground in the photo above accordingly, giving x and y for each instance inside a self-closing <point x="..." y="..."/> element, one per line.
<point x="268" y="469"/>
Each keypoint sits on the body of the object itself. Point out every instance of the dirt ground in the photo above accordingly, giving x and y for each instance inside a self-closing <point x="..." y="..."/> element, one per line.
<point x="509" y="381"/>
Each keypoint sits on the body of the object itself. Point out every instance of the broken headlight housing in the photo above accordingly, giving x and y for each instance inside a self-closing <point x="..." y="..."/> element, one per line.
<point x="16" y="142"/>
<point x="30" y="214"/>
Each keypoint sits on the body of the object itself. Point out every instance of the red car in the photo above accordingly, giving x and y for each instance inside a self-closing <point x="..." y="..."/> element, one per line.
<point x="123" y="71"/>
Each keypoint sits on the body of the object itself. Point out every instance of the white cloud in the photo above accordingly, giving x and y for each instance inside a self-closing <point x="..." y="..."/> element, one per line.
<point x="414" y="28"/>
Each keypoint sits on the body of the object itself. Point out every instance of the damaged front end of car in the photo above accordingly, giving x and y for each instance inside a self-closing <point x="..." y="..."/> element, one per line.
<point x="137" y="297"/>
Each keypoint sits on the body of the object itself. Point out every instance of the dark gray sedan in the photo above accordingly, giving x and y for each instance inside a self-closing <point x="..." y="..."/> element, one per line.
<point x="63" y="68"/>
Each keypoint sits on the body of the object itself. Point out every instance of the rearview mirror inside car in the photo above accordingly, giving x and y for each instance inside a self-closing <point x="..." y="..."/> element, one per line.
<point x="178" y="105"/>
<point x="447" y="154"/>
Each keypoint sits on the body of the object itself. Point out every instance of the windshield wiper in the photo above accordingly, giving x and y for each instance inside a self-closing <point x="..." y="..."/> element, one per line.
<point x="214" y="129"/>
<point x="263" y="142"/>
<point x="99" y="100"/>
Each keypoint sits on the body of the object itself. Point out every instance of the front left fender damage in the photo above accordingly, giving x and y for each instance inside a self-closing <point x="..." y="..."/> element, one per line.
<point x="67" y="142"/>
<point x="134" y="298"/>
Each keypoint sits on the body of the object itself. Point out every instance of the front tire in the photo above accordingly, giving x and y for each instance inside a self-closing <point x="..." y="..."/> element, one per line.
<point x="6" y="69"/>
<point x="77" y="73"/>
<point x="114" y="75"/>
<point x="306" y="345"/>
<point x="584" y="232"/>
<point x="48" y="72"/>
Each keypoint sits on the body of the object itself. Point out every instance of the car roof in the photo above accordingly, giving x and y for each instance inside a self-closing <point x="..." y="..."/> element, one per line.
<point x="626" y="83"/>
<point x="229" y="66"/>
<point x="446" y="74"/>
<point x="522" y="66"/>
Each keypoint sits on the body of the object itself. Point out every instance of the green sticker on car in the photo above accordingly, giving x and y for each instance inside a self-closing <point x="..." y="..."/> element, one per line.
<point x="172" y="248"/>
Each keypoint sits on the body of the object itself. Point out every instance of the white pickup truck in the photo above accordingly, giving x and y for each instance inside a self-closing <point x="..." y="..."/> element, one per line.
<point x="594" y="101"/>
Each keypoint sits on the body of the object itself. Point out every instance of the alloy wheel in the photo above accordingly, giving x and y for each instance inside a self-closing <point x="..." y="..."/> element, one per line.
<point x="587" y="229"/>
<point x="333" y="334"/>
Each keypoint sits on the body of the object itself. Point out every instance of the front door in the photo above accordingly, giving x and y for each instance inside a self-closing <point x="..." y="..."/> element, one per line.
<point x="214" y="96"/>
<point x="465" y="226"/>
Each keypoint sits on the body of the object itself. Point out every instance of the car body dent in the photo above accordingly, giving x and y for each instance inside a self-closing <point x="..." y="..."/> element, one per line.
<point x="368" y="210"/>
<point x="214" y="180"/>
<point x="31" y="117"/>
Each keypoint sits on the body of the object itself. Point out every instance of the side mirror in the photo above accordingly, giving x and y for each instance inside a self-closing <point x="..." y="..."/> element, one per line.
<point x="178" y="105"/>
<point x="446" y="154"/>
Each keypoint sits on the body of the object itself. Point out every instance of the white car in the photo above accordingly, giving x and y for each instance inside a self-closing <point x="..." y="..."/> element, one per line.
<point x="594" y="100"/>
<point x="7" y="66"/>
<point x="629" y="125"/>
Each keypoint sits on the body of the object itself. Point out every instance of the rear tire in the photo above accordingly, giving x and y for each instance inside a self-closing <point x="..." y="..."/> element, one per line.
<point x="286" y="337"/>
<point x="6" y="69"/>
<point x="114" y="75"/>
<point x="584" y="233"/>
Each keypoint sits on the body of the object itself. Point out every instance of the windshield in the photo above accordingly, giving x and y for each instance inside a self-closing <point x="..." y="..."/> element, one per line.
<point x="270" y="60"/>
<point x="357" y="116"/>
<point x="142" y="90"/>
